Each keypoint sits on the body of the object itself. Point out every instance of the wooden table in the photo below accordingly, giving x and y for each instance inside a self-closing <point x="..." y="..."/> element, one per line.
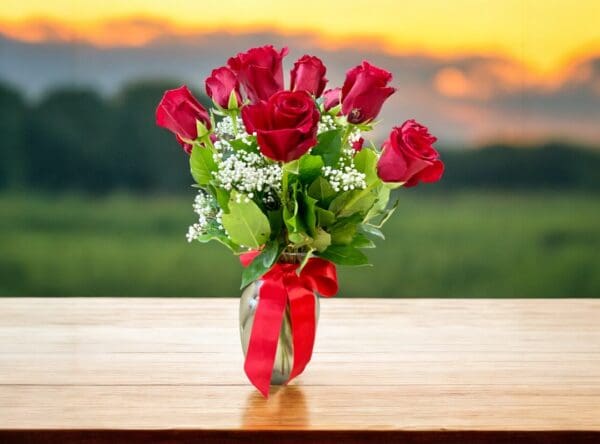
<point x="413" y="371"/>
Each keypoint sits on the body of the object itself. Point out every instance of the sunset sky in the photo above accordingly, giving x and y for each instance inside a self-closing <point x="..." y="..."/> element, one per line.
<point x="544" y="35"/>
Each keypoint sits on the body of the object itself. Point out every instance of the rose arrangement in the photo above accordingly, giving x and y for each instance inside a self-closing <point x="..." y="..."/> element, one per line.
<point x="283" y="171"/>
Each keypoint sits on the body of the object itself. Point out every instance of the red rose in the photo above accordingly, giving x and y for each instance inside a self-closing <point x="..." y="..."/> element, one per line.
<point x="219" y="85"/>
<point x="408" y="156"/>
<point x="308" y="74"/>
<point x="331" y="98"/>
<point x="259" y="71"/>
<point x="178" y="112"/>
<point x="285" y="125"/>
<point x="364" y="91"/>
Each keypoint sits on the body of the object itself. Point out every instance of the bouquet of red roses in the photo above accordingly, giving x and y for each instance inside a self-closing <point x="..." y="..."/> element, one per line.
<point x="286" y="181"/>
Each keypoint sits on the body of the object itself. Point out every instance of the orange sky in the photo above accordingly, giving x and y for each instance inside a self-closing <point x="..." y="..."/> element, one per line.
<point x="544" y="35"/>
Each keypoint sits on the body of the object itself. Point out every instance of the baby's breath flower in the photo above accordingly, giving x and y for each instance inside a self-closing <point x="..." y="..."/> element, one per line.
<point x="327" y="123"/>
<point x="209" y="216"/>
<point x="354" y="136"/>
<point x="225" y="128"/>
<point x="345" y="178"/>
<point x="248" y="173"/>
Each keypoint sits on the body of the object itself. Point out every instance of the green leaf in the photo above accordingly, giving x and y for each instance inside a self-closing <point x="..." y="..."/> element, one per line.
<point x="245" y="223"/>
<point x="292" y="167"/>
<point x="335" y="110"/>
<point x="275" y="220"/>
<point x="329" y="146"/>
<point x="201" y="129"/>
<point x="300" y="238"/>
<point x="343" y="234"/>
<point x="321" y="240"/>
<point x="321" y="190"/>
<point x="356" y="201"/>
<point x="289" y="175"/>
<point x="309" y="168"/>
<point x="308" y="213"/>
<point x="222" y="197"/>
<point x="373" y="231"/>
<point x="221" y="238"/>
<point x="262" y="263"/>
<point x="290" y="215"/>
<point x="381" y="202"/>
<point x="365" y="161"/>
<point x="202" y="164"/>
<point x="232" y="103"/>
<point x="339" y="202"/>
<point x="360" y="203"/>
<point x="394" y="185"/>
<point x="324" y="217"/>
<point x="362" y="241"/>
<point x="240" y="145"/>
<point x="344" y="255"/>
<point x="293" y="219"/>
<point x="387" y="214"/>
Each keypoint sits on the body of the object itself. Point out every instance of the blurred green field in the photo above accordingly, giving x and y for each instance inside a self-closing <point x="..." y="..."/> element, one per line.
<point x="439" y="245"/>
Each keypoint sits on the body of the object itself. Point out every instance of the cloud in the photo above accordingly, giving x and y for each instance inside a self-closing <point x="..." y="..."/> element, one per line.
<point x="463" y="100"/>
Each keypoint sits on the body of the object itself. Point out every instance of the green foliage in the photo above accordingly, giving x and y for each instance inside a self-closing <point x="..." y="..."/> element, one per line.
<point x="13" y="161"/>
<point x="262" y="263"/>
<point x="344" y="255"/>
<point x="324" y="217"/>
<point x="240" y="145"/>
<point x="362" y="241"/>
<point x="355" y="201"/>
<point x="309" y="168"/>
<point x="321" y="240"/>
<point x="222" y="196"/>
<point x="343" y="233"/>
<point x="451" y="245"/>
<point x="74" y="139"/>
<point x="221" y="238"/>
<point x="366" y="162"/>
<point x="245" y="223"/>
<point x="309" y="216"/>
<point x="329" y="146"/>
<point x="99" y="145"/>
<point x="292" y="219"/>
<point x="321" y="190"/>
<point x="372" y="231"/>
<point x="202" y="165"/>
<point x="381" y="202"/>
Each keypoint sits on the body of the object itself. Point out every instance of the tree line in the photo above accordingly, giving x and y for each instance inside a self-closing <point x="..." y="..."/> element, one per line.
<point x="74" y="139"/>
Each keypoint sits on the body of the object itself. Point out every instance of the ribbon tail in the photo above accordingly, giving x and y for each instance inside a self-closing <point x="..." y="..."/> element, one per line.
<point x="302" y="314"/>
<point x="265" y="334"/>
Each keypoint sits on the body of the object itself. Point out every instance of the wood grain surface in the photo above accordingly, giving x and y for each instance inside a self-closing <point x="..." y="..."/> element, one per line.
<point x="435" y="370"/>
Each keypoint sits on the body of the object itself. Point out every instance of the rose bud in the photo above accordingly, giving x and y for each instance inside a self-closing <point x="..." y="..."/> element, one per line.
<point x="178" y="112"/>
<point x="364" y="91"/>
<point x="285" y="125"/>
<point x="308" y="74"/>
<point x="357" y="145"/>
<point x="408" y="156"/>
<point x="220" y="84"/>
<point x="331" y="98"/>
<point x="259" y="71"/>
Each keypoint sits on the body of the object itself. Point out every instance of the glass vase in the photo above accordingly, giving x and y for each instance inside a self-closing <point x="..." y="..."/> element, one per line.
<point x="284" y="357"/>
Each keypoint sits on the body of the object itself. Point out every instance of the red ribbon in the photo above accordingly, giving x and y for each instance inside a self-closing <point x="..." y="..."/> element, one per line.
<point x="280" y="285"/>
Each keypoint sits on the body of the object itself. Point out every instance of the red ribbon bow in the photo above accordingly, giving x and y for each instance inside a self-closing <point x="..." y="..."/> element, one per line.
<point x="282" y="284"/>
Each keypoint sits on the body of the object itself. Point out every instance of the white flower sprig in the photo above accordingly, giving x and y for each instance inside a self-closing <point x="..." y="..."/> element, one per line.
<point x="209" y="216"/>
<point x="247" y="172"/>
<point x="345" y="178"/>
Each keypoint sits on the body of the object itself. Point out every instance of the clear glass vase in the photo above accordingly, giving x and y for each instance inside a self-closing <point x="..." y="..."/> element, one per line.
<point x="284" y="357"/>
